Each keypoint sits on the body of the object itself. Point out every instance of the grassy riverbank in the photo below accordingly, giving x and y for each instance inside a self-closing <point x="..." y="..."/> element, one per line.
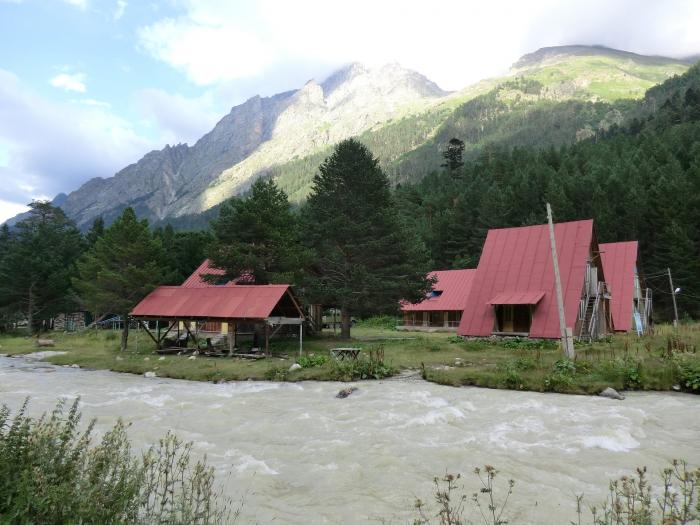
<point x="624" y="362"/>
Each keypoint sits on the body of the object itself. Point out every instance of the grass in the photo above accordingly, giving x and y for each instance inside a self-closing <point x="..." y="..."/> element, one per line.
<point x="623" y="362"/>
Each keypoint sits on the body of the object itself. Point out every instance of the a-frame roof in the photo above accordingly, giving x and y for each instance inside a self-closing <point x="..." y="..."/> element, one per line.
<point x="452" y="287"/>
<point x="519" y="261"/>
<point x="619" y="264"/>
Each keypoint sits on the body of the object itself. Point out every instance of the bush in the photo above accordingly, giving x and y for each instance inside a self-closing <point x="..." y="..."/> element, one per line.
<point x="277" y="373"/>
<point x="525" y="343"/>
<point x="688" y="372"/>
<point x="51" y="473"/>
<point x="379" y="321"/>
<point x="366" y="366"/>
<point x="310" y="361"/>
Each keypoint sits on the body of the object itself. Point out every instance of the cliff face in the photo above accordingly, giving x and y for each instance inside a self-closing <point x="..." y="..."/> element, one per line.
<point x="254" y="136"/>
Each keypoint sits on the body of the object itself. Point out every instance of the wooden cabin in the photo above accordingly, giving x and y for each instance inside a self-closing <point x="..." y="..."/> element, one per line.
<point x="513" y="291"/>
<point x="442" y="309"/>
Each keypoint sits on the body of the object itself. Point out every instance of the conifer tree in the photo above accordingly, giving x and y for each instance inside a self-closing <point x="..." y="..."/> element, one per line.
<point x="38" y="262"/>
<point x="258" y="235"/>
<point x="364" y="260"/>
<point x="121" y="268"/>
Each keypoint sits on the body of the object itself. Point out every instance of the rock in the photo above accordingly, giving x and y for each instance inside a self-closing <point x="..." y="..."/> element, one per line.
<point x="149" y="374"/>
<point x="161" y="358"/>
<point x="146" y="358"/>
<point x="74" y="365"/>
<point x="295" y="366"/>
<point x="192" y="357"/>
<point x="676" y="388"/>
<point x="345" y="392"/>
<point x="611" y="393"/>
<point x="119" y="358"/>
<point x="41" y="343"/>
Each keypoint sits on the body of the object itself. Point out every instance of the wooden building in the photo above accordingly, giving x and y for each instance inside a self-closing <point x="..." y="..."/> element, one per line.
<point x="513" y="291"/>
<point x="442" y="309"/>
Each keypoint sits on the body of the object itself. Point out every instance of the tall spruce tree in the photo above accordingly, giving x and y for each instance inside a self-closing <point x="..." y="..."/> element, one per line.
<point x="38" y="262"/>
<point x="364" y="261"/>
<point x="123" y="265"/>
<point x="453" y="156"/>
<point x="258" y="235"/>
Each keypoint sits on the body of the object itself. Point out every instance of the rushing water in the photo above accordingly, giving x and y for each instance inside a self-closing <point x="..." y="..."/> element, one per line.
<point x="299" y="455"/>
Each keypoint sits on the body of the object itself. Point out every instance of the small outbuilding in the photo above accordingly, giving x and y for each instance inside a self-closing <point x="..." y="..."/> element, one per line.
<point x="630" y="302"/>
<point x="442" y="309"/>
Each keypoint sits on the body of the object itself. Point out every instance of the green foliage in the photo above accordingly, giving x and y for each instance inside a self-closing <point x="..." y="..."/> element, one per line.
<point x="258" y="235"/>
<point x="52" y="473"/>
<point x="564" y="367"/>
<point x="37" y="259"/>
<point x="310" y="361"/>
<point x="369" y="365"/>
<point x="688" y="371"/>
<point x="363" y="259"/>
<point x="123" y="265"/>
<point x="277" y="373"/>
<point x="525" y="343"/>
<point x="185" y="250"/>
<point x="388" y="322"/>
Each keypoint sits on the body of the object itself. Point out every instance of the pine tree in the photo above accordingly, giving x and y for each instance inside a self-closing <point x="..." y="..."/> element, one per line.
<point x="40" y="258"/>
<point x="453" y="156"/>
<point x="96" y="231"/>
<point x="258" y="235"/>
<point x="364" y="260"/>
<point x="124" y="265"/>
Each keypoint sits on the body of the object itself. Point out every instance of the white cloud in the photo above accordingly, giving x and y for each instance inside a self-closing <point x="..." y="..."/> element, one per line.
<point x="179" y="118"/>
<point x="456" y="44"/>
<point x="119" y="10"/>
<point x="70" y="82"/>
<point x="56" y="147"/>
<point x="82" y="4"/>
<point x="10" y="209"/>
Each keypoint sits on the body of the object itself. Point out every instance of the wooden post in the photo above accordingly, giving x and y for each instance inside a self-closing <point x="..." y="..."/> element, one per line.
<point x="231" y="340"/>
<point x="267" y="339"/>
<point x="673" y="296"/>
<point x="567" y="342"/>
<point x="301" y="338"/>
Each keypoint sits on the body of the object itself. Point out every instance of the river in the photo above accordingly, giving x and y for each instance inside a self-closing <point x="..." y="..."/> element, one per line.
<point x="299" y="455"/>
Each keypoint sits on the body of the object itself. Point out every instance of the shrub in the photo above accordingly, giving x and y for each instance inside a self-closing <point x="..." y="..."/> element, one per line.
<point x="277" y="373"/>
<point x="379" y="321"/>
<point x="688" y="372"/>
<point x="310" y="361"/>
<point x="525" y="343"/>
<point x="51" y="473"/>
<point x="366" y="366"/>
<point x="564" y="367"/>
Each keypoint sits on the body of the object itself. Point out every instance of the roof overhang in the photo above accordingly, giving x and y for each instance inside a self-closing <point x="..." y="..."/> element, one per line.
<point x="532" y="297"/>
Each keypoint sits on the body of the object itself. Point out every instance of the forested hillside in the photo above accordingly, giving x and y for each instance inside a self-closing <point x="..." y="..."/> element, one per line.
<point x="638" y="181"/>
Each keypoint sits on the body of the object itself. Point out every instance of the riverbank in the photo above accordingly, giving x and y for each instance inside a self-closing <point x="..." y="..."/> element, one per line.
<point x="624" y="362"/>
<point x="293" y="453"/>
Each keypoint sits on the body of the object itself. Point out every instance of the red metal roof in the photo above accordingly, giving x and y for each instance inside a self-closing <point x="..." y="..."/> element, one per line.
<point x="213" y="302"/>
<point x="454" y="285"/>
<point x="619" y="265"/>
<point x="196" y="279"/>
<point x="516" y="260"/>
<point x="517" y="298"/>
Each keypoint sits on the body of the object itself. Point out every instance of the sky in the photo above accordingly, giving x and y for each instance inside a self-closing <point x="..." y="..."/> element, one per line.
<point x="88" y="87"/>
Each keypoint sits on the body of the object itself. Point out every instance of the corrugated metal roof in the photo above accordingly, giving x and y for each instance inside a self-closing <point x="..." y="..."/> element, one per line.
<point x="517" y="298"/>
<point x="212" y="302"/>
<point x="454" y="285"/>
<point x="519" y="260"/>
<point x="196" y="279"/>
<point x="619" y="264"/>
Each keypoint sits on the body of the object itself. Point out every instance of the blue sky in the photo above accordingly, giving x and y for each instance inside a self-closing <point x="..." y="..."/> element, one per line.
<point x="89" y="86"/>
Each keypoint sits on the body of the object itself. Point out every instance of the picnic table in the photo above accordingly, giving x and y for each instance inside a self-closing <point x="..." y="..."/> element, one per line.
<point x="340" y="354"/>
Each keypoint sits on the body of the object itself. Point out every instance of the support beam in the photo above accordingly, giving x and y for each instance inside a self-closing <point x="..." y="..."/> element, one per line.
<point x="145" y="328"/>
<point x="267" y="340"/>
<point x="673" y="296"/>
<point x="231" y="337"/>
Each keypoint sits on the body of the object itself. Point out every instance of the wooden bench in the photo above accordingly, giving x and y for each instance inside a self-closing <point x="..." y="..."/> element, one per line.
<point x="340" y="354"/>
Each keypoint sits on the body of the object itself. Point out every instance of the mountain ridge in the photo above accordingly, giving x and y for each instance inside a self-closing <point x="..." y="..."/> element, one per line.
<point x="401" y="113"/>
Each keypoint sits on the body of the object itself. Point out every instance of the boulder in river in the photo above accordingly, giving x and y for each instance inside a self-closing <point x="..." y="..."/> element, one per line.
<point x="345" y="392"/>
<point x="149" y="374"/>
<point x="74" y="365"/>
<point x="612" y="394"/>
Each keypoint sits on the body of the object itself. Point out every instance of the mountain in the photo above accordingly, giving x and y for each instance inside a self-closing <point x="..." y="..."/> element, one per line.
<point x="553" y="96"/>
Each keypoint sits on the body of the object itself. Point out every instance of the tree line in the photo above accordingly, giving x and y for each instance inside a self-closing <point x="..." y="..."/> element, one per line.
<point x="346" y="247"/>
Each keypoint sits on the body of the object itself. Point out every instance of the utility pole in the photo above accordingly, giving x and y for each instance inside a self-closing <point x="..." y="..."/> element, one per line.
<point x="673" y="296"/>
<point x="567" y="342"/>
